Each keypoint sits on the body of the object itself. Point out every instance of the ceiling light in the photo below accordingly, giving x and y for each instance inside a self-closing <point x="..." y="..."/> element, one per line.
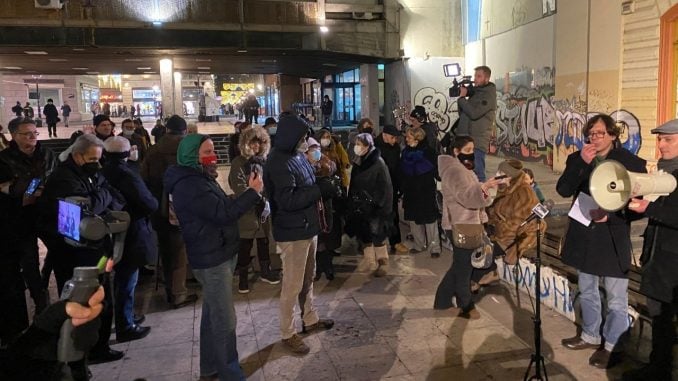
<point x="12" y="67"/>
<point x="144" y="68"/>
<point x="79" y="49"/>
<point x="157" y="23"/>
<point x="92" y="72"/>
<point x="132" y="59"/>
<point x="80" y="68"/>
<point x="330" y="64"/>
<point x="57" y="60"/>
<point x="203" y="67"/>
<point x="35" y="52"/>
<point x="242" y="51"/>
<point x="203" y="72"/>
<point x="324" y="29"/>
<point x="203" y="60"/>
<point x="145" y="76"/>
<point x="149" y="72"/>
<point x="269" y="61"/>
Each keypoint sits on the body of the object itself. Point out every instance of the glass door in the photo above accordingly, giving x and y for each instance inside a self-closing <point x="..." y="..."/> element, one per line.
<point x="344" y="104"/>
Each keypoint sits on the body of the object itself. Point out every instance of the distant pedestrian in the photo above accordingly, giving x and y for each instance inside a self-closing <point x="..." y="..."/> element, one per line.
<point x="28" y="111"/>
<point x="326" y="107"/>
<point x="51" y="116"/>
<point x="17" y="109"/>
<point x="66" y="112"/>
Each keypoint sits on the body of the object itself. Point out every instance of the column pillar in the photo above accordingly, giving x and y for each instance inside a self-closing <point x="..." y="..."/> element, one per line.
<point x="5" y="107"/>
<point x="369" y="93"/>
<point x="178" y="96"/>
<point x="167" y="86"/>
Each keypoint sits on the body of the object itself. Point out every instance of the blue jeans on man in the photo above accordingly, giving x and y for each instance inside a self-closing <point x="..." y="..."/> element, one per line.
<point x="616" y="321"/>
<point x="124" y="283"/>
<point x="218" y="348"/>
<point x="479" y="164"/>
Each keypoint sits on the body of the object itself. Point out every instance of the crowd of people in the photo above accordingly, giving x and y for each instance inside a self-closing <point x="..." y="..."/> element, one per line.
<point x="296" y="196"/>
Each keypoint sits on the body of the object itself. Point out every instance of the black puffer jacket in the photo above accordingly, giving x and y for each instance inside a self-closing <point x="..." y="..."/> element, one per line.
<point x="140" y="247"/>
<point x="290" y="183"/>
<point x="16" y="219"/>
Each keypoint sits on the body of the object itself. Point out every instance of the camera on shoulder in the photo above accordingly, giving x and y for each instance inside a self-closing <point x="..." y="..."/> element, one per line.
<point x="466" y="81"/>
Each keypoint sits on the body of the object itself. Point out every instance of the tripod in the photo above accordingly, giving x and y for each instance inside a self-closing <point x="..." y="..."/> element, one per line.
<point x="537" y="358"/>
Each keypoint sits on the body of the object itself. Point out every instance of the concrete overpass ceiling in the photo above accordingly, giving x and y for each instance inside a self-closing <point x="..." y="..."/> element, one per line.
<point x="134" y="60"/>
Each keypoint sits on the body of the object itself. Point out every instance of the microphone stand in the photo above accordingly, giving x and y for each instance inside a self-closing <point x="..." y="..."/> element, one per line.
<point x="537" y="358"/>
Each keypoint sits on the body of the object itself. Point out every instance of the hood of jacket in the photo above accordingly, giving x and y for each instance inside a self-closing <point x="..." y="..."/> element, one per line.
<point x="290" y="131"/>
<point x="258" y="133"/>
<point x="187" y="153"/>
<point x="177" y="173"/>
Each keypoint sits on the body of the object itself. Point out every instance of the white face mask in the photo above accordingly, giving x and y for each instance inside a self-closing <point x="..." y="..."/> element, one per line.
<point x="359" y="150"/>
<point x="127" y="133"/>
<point x="325" y="142"/>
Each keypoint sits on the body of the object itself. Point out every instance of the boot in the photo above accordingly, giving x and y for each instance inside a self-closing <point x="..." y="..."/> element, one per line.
<point x="319" y="268"/>
<point x="327" y="257"/>
<point x="267" y="275"/>
<point x="369" y="261"/>
<point x="243" y="287"/>
<point x="381" y="253"/>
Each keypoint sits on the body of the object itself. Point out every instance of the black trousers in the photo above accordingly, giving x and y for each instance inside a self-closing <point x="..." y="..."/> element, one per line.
<point x="456" y="282"/>
<point x="14" y="316"/>
<point x="51" y="128"/>
<point x="663" y="333"/>
<point x="244" y="257"/>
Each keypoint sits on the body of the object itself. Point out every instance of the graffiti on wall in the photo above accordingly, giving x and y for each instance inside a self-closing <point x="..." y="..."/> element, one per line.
<point x="441" y="109"/>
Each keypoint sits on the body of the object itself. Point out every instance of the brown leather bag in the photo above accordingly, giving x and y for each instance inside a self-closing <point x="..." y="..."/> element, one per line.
<point x="467" y="236"/>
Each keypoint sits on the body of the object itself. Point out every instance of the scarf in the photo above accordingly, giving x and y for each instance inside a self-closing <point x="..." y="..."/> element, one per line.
<point x="668" y="166"/>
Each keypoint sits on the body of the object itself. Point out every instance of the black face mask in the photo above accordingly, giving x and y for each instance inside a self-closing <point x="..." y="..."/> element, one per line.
<point x="91" y="169"/>
<point x="467" y="159"/>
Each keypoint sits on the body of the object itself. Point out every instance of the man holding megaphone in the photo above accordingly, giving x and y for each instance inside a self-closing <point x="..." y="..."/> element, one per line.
<point x="660" y="262"/>
<point x="599" y="248"/>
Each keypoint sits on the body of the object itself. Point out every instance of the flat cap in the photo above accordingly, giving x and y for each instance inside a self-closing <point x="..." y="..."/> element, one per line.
<point x="391" y="130"/>
<point x="670" y="127"/>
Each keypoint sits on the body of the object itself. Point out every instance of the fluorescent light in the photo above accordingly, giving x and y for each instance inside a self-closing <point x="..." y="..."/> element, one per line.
<point x="203" y="67"/>
<point x="157" y="23"/>
<point x="203" y="60"/>
<point x="80" y="68"/>
<point x="12" y="67"/>
<point x="242" y="51"/>
<point x="324" y="29"/>
<point x="132" y="59"/>
<point x="57" y="60"/>
<point x="149" y="72"/>
<point x="79" y="49"/>
<point x="92" y="72"/>
<point x="203" y="72"/>
<point x="35" y="52"/>
<point x="144" y="68"/>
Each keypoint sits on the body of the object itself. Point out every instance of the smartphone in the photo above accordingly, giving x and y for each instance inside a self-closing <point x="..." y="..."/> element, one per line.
<point x="32" y="186"/>
<point x="501" y="177"/>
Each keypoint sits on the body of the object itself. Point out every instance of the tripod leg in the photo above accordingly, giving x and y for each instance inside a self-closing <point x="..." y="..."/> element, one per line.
<point x="529" y="367"/>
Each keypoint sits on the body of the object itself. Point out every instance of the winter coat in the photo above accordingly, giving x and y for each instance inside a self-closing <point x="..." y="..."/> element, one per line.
<point x="463" y="198"/>
<point x="17" y="220"/>
<point x="208" y="217"/>
<point x="418" y="171"/>
<point x="336" y="152"/>
<point x="391" y="156"/>
<point x="66" y="110"/>
<point x="158" y="158"/>
<point x="371" y="193"/>
<point x="18" y="110"/>
<point x="602" y="249"/>
<point x="432" y="136"/>
<point x="660" y="248"/>
<point x="511" y="207"/>
<point x="51" y="113"/>
<point x="140" y="247"/>
<point x="476" y="115"/>
<point x="290" y="183"/>
<point x="250" y="225"/>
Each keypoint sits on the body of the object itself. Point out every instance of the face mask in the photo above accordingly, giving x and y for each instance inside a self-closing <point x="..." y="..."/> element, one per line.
<point x="358" y="150"/>
<point x="209" y="164"/>
<point x="467" y="159"/>
<point x="302" y="148"/>
<point x="133" y="155"/>
<point x="127" y="133"/>
<point x="91" y="169"/>
<point x="325" y="142"/>
<point x="315" y="155"/>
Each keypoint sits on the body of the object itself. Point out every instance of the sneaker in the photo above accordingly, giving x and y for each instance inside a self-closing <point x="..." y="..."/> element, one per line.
<point x="243" y="286"/>
<point x="270" y="278"/>
<point x="401" y="249"/>
<point x="296" y="345"/>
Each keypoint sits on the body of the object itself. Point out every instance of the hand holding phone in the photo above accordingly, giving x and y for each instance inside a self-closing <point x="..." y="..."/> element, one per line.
<point x="32" y="186"/>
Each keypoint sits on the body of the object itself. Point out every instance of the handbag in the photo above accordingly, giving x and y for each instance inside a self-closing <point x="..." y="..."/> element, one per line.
<point x="467" y="236"/>
<point x="483" y="256"/>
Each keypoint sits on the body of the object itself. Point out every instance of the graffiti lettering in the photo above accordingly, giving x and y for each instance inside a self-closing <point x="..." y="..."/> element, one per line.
<point x="441" y="109"/>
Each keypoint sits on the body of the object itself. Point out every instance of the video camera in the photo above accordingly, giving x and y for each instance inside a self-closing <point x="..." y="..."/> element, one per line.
<point x="466" y="81"/>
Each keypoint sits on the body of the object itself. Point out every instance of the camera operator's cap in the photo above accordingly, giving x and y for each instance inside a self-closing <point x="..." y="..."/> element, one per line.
<point x="391" y="130"/>
<point x="176" y="123"/>
<point x="670" y="127"/>
<point x="100" y="119"/>
<point x="418" y="112"/>
<point x="511" y="167"/>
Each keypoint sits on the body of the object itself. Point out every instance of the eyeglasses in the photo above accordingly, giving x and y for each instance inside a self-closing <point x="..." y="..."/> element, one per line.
<point x="597" y="134"/>
<point x="29" y="133"/>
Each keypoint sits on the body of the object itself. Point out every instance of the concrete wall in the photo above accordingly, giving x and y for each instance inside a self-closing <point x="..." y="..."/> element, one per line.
<point x="431" y="28"/>
<point x="290" y="92"/>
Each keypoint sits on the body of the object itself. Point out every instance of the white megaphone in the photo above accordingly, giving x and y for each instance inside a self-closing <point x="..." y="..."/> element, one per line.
<point x="611" y="185"/>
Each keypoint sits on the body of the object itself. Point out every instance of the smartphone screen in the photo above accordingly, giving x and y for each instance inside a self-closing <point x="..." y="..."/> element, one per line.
<point x="32" y="186"/>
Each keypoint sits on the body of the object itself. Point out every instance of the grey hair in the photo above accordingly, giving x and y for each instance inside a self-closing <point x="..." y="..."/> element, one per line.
<point x="117" y="144"/>
<point x="84" y="142"/>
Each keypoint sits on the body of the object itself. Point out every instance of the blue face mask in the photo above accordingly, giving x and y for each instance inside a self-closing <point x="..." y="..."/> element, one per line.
<point x="315" y="155"/>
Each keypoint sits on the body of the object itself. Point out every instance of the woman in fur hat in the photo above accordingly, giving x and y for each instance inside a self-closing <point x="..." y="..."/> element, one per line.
<point x="254" y="144"/>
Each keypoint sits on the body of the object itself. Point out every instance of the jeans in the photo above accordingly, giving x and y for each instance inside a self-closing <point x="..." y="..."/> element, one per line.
<point x="298" y="261"/>
<point x="456" y="282"/>
<point x="124" y="283"/>
<point x="616" y="322"/>
<point x="218" y="348"/>
<point x="479" y="164"/>
<point x="66" y="120"/>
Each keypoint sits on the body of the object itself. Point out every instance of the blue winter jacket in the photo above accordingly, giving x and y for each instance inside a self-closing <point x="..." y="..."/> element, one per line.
<point x="208" y="217"/>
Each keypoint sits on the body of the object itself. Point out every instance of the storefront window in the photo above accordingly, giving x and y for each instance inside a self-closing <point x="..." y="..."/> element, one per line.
<point x="89" y="95"/>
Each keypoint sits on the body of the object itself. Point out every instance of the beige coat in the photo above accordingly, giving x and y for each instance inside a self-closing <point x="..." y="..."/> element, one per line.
<point x="463" y="199"/>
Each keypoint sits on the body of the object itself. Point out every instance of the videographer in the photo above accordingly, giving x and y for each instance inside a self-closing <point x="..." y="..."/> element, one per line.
<point x="477" y="109"/>
<point x="79" y="176"/>
<point x="33" y="356"/>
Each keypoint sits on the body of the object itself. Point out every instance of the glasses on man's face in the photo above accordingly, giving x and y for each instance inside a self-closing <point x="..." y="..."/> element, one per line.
<point x="597" y="134"/>
<point x="29" y="133"/>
